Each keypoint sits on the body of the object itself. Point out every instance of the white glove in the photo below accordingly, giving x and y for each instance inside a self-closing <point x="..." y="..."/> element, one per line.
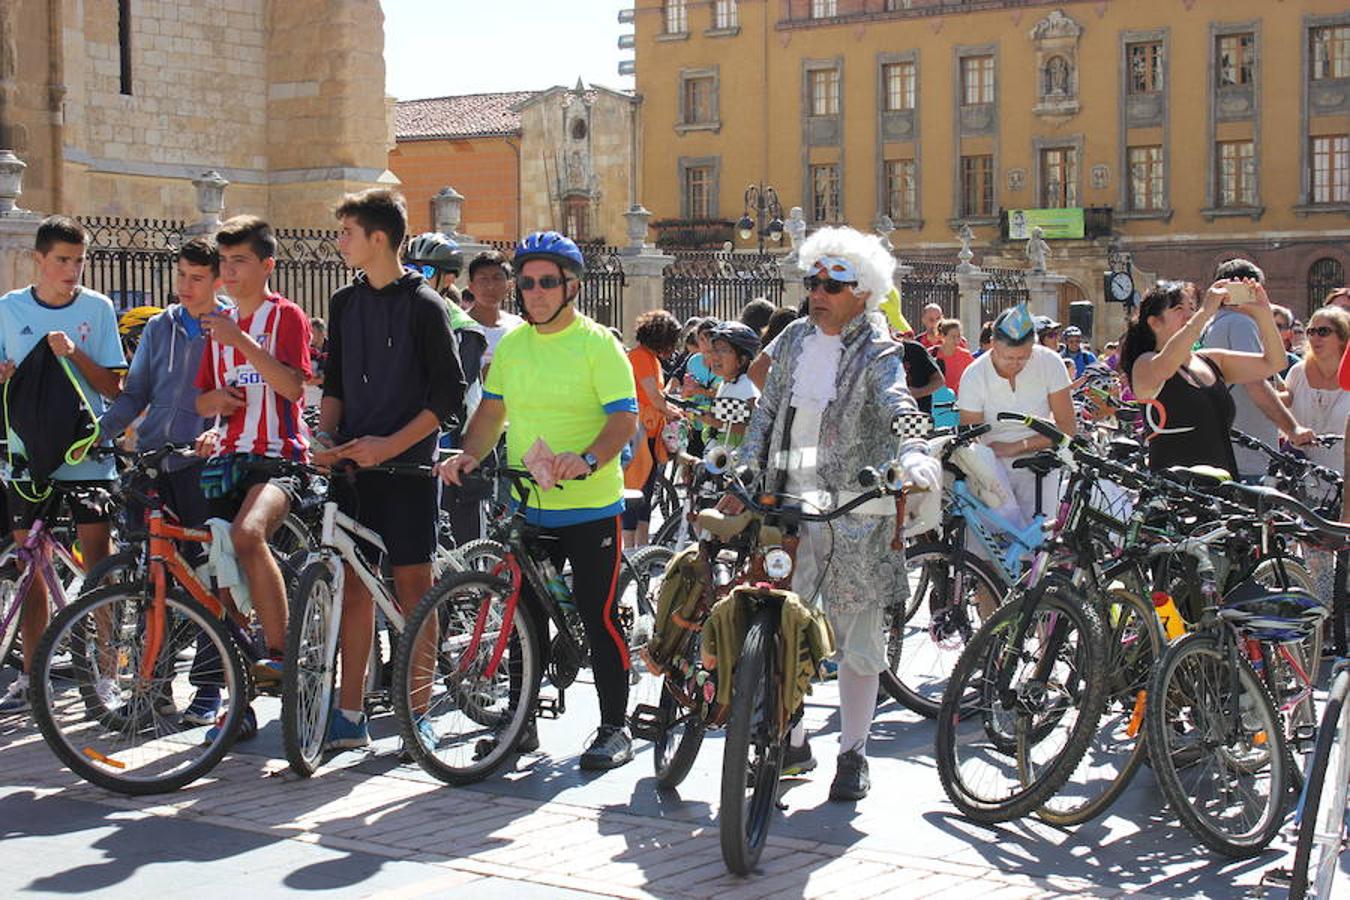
<point x="921" y="470"/>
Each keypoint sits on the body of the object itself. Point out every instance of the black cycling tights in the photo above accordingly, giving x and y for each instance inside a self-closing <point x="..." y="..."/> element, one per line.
<point x="594" y="550"/>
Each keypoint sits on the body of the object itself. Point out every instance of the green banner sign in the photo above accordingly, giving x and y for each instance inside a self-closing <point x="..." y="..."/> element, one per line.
<point x="1061" y="224"/>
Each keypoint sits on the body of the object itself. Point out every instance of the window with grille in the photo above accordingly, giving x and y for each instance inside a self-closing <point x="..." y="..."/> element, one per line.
<point x="1145" y="67"/>
<point x="1330" y="169"/>
<point x="899" y="81"/>
<point x="825" y="193"/>
<point x="902" y="201"/>
<point x="1236" y="173"/>
<point x="824" y="9"/>
<point x="1059" y="178"/>
<point x="698" y="101"/>
<point x="725" y="14"/>
<point x="1146" y="177"/>
<point x="1330" y="52"/>
<point x="698" y="186"/>
<point x="977" y="185"/>
<point x="977" y="80"/>
<point x="677" y="16"/>
<point x="825" y="92"/>
<point x="1235" y="58"/>
<point x="1324" y="276"/>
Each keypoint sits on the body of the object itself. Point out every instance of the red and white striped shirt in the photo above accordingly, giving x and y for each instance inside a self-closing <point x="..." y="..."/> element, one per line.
<point x="268" y="424"/>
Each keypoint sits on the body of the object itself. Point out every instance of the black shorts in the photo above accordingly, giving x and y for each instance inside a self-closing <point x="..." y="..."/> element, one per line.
<point x="87" y="507"/>
<point x="401" y="509"/>
<point x="228" y="507"/>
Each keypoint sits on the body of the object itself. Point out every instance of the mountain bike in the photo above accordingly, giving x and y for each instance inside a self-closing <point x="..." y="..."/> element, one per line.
<point x="1323" y="812"/>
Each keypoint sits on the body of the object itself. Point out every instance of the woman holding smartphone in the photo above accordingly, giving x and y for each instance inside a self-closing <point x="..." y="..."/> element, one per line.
<point x="1189" y="410"/>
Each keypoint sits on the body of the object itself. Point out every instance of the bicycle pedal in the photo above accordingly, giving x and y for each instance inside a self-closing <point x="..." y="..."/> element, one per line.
<point x="551" y="707"/>
<point x="647" y="722"/>
<point x="1278" y="876"/>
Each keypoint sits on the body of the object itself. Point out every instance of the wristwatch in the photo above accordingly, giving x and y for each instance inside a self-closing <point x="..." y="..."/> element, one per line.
<point x="590" y="460"/>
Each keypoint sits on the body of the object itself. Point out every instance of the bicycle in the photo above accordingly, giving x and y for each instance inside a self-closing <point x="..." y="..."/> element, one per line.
<point x="140" y="636"/>
<point x="1322" y="808"/>
<point x="471" y="660"/>
<point x="315" y="620"/>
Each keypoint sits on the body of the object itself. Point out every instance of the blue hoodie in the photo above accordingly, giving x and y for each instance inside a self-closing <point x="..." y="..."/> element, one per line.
<point x="161" y="383"/>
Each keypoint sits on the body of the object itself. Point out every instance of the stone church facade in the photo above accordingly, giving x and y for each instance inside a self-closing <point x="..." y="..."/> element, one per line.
<point x="116" y="106"/>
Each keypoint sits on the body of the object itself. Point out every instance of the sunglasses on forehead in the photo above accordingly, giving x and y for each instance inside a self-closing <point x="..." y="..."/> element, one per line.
<point x="546" y="282"/>
<point x="828" y="284"/>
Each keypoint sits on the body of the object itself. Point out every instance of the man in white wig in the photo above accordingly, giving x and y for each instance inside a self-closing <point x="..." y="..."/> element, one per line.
<point x="836" y="385"/>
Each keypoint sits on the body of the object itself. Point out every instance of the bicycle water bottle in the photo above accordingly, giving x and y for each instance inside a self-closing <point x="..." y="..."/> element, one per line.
<point x="557" y="588"/>
<point x="1174" y="626"/>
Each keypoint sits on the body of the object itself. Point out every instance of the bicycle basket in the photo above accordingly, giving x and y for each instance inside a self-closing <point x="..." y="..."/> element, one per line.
<point x="1273" y="614"/>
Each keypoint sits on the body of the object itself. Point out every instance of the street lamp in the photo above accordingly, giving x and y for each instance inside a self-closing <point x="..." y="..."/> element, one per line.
<point x="768" y="215"/>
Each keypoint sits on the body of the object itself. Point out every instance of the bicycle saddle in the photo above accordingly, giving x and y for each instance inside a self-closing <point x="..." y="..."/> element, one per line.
<point x="722" y="526"/>
<point x="1042" y="463"/>
<point x="1199" y="476"/>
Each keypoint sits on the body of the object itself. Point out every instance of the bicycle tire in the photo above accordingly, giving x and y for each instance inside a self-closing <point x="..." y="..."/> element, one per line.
<point x="122" y="567"/>
<point x="1178" y="680"/>
<point x="11" y="649"/>
<point x="974" y="736"/>
<point x="1133" y="644"/>
<point x="750" y="783"/>
<point x="1322" y="819"/>
<point x="307" y="684"/>
<point x="102" y="746"/>
<point x="468" y="748"/>
<point x="919" y="662"/>
<point x="481" y="555"/>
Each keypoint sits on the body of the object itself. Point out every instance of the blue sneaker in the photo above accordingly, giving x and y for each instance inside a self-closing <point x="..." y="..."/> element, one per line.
<point x="344" y="734"/>
<point x="269" y="671"/>
<point x="249" y="728"/>
<point x="204" y="708"/>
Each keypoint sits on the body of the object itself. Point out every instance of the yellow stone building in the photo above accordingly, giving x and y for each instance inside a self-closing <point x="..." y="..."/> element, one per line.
<point x="1189" y="131"/>
<point x="116" y="106"/>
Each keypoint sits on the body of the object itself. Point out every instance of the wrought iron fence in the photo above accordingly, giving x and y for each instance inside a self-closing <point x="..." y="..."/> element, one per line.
<point x="1002" y="288"/>
<point x="929" y="281"/>
<point x="719" y="284"/>
<point x="309" y="269"/>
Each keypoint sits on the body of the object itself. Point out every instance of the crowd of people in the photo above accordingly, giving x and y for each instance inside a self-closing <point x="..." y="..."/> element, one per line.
<point x="405" y="363"/>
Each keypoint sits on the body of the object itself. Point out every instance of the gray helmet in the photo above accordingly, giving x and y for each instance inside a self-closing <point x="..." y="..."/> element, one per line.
<point x="435" y="249"/>
<point x="738" y="335"/>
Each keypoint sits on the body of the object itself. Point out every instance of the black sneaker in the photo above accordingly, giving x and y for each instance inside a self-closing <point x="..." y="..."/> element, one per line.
<point x="850" y="777"/>
<point x="610" y="749"/>
<point x="798" y="760"/>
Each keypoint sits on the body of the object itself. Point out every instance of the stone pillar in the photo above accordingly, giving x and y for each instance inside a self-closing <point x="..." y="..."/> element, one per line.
<point x="446" y="210"/>
<point x="644" y="278"/>
<point x="18" y="226"/>
<point x="1043" y="293"/>
<point x="971" y="284"/>
<point x="210" y="188"/>
<point x="794" y="292"/>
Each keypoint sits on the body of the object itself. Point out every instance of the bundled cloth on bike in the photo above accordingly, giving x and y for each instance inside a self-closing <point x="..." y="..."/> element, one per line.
<point x="804" y="640"/>
<point x="682" y="587"/>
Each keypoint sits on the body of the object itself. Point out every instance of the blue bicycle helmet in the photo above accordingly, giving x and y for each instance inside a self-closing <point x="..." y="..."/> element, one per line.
<point x="553" y="246"/>
<point x="1273" y="614"/>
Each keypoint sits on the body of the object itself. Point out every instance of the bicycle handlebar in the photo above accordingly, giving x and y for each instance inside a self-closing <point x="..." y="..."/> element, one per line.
<point x="1263" y="497"/>
<point x="1038" y="425"/>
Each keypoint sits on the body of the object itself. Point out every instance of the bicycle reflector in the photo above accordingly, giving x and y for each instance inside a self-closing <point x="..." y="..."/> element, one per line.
<point x="1273" y="614"/>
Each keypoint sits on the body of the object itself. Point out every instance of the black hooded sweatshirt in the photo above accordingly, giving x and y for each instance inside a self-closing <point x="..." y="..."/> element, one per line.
<point x="391" y="355"/>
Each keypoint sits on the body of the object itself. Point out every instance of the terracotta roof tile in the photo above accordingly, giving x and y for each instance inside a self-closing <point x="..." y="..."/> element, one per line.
<point x="468" y="115"/>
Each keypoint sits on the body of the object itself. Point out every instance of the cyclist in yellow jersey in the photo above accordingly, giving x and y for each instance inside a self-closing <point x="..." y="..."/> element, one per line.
<point x="566" y="382"/>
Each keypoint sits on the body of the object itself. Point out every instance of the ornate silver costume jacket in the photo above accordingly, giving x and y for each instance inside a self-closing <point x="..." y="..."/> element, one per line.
<point x="855" y="432"/>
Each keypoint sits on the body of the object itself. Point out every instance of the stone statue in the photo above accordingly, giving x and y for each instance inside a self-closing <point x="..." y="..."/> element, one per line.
<point x="795" y="226"/>
<point x="1037" y="250"/>
<point x="967" y="236"/>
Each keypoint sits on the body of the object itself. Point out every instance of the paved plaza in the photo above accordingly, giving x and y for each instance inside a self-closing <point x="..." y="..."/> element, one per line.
<point x="368" y="826"/>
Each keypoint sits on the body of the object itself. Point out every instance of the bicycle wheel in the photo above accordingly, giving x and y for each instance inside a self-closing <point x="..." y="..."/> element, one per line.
<point x="1224" y="775"/>
<point x="1291" y="694"/>
<point x="123" y="567"/>
<point x="1116" y="751"/>
<point x="112" y="726"/>
<point x="460" y="722"/>
<point x="481" y="555"/>
<point x="11" y="651"/>
<point x="1322" y="819"/>
<point x="1022" y="703"/>
<point x="752" y="757"/>
<point x="311" y="667"/>
<point x="925" y="636"/>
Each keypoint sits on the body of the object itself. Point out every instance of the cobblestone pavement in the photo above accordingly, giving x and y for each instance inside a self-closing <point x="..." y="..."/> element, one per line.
<point x="366" y="826"/>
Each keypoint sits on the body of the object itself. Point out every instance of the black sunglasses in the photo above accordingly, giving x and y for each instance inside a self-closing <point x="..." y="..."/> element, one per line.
<point x="1320" y="331"/>
<point x="829" y="284"/>
<point x="547" y="282"/>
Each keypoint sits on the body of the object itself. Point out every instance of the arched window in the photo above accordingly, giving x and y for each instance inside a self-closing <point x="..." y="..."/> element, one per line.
<point x="1055" y="78"/>
<point x="1325" y="275"/>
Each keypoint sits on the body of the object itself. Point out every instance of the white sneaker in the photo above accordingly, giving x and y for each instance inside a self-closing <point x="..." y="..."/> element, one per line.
<point x="15" y="699"/>
<point x="109" y="694"/>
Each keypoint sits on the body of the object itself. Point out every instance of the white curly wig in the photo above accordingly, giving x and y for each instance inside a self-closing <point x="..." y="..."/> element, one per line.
<point x="874" y="262"/>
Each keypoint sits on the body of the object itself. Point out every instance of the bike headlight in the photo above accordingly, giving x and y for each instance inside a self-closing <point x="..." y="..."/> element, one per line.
<point x="777" y="563"/>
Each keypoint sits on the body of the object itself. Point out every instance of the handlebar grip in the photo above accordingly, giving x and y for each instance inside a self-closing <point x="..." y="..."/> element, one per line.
<point x="1040" y="426"/>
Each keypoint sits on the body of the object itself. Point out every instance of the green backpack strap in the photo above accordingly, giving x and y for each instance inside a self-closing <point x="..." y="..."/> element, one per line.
<point x="77" y="451"/>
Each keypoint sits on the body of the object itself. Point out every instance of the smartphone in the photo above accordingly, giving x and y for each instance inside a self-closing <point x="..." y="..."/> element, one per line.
<point x="1240" y="293"/>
